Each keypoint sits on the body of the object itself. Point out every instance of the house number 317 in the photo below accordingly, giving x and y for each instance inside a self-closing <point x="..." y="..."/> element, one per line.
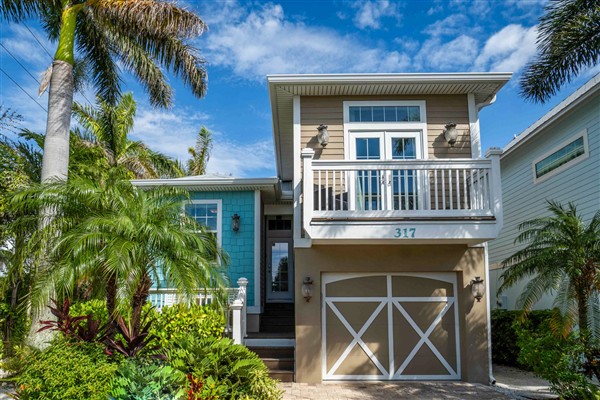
<point x="405" y="232"/>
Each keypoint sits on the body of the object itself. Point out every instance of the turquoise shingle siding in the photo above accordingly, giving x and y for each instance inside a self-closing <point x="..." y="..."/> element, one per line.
<point x="238" y="245"/>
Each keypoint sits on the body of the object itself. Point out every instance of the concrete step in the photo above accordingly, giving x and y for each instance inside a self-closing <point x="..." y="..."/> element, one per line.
<point x="283" y="376"/>
<point x="273" y="352"/>
<point x="279" y="364"/>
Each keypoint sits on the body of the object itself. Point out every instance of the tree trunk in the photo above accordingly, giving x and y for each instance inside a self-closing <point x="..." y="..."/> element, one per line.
<point x="111" y="305"/>
<point x="139" y="299"/>
<point x="590" y="365"/>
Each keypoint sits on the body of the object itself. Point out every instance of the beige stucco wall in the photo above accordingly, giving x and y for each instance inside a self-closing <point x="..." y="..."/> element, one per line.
<point x="441" y="109"/>
<point x="466" y="262"/>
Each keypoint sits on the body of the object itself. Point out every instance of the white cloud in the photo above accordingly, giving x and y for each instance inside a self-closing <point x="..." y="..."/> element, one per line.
<point x="508" y="49"/>
<point x="173" y="131"/>
<point x="478" y="8"/>
<point x="455" y="55"/>
<point x="21" y="43"/>
<point x="264" y="42"/>
<point x="370" y="13"/>
<point x="452" y="25"/>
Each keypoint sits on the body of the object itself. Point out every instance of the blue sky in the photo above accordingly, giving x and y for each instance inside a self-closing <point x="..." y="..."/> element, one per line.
<point x="247" y="40"/>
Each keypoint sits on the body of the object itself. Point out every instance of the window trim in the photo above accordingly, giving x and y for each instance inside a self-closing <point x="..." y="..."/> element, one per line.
<point x="219" y="203"/>
<point x="400" y="127"/>
<point x="586" y="152"/>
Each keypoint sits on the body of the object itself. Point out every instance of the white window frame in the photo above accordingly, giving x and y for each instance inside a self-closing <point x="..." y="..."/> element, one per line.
<point x="568" y="164"/>
<point x="219" y="204"/>
<point x="364" y="127"/>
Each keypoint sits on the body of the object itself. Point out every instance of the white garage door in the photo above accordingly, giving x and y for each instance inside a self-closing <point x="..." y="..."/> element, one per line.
<point x="390" y="326"/>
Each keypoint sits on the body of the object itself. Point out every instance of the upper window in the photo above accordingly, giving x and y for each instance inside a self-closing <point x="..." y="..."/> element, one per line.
<point x="384" y="113"/>
<point x="208" y="214"/>
<point x="574" y="150"/>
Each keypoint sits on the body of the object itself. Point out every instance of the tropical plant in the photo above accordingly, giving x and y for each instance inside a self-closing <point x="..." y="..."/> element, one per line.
<point x="83" y="327"/>
<point x="143" y="379"/>
<point x="132" y="341"/>
<point x="106" y="128"/>
<point x="568" y="41"/>
<point x="200" y="153"/>
<point x="118" y="238"/>
<point x="218" y="368"/>
<point x="561" y="256"/>
<point x="67" y="371"/>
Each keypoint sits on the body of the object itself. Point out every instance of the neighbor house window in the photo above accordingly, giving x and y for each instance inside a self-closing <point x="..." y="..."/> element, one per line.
<point x="208" y="214"/>
<point x="567" y="154"/>
<point x="384" y="113"/>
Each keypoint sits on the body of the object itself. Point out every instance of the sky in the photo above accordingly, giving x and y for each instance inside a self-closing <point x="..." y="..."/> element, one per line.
<point x="248" y="40"/>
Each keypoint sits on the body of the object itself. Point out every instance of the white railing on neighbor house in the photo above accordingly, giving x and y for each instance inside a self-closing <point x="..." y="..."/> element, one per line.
<point x="235" y="324"/>
<point x="434" y="188"/>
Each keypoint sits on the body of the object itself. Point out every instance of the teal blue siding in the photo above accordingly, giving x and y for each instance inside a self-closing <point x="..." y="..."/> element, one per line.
<point x="238" y="245"/>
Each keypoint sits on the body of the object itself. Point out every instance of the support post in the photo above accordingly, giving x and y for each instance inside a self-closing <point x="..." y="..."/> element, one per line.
<point x="236" y="326"/>
<point x="494" y="154"/>
<point x="243" y="284"/>
<point x="307" y="188"/>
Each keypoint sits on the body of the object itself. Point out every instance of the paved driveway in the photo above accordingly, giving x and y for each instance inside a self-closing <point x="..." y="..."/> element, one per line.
<point x="389" y="391"/>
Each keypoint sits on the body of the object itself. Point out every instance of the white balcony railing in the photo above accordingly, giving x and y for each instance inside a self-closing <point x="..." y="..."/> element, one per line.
<point x="235" y="298"/>
<point x="403" y="189"/>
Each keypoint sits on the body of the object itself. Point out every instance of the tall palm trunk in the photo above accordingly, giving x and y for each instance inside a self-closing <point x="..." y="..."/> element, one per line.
<point x="111" y="304"/>
<point x="55" y="162"/>
<point x="591" y="353"/>
<point x="139" y="299"/>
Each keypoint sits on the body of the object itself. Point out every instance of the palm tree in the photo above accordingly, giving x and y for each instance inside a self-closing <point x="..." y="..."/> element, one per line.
<point x="562" y="256"/>
<point x="200" y="154"/>
<point x="106" y="129"/>
<point x="118" y="239"/>
<point x="568" y="41"/>
<point x="140" y="35"/>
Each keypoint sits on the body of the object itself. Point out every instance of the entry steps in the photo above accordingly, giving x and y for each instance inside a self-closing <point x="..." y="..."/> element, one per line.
<point x="277" y="354"/>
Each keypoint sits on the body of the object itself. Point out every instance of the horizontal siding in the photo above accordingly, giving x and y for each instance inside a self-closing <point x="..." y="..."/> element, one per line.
<point x="580" y="183"/>
<point x="440" y="110"/>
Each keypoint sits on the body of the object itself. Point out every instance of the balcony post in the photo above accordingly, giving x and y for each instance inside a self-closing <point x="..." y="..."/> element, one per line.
<point x="307" y="188"/>
<point x="236" y="325"/>
<point x="242" y="284"/>
<point x="493" y="154"/>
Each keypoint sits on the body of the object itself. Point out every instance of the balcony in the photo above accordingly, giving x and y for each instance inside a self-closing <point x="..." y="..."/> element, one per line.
<point x="411" y="201"/>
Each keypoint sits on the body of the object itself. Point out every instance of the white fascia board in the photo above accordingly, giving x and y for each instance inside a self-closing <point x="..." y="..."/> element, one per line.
<point x="590" y="88"/>
<point x="375" y="78"/>
<point x="178" y="182"/>
<point x="275" y="120"/>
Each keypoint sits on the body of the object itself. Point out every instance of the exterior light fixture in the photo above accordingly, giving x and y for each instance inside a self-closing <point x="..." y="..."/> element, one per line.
<point x="323" y="135"/>
<point x="307" y="288"/>
<point x="235" y="222"/>
<point x="450" y="133"/>
<point x="477" y="288"/>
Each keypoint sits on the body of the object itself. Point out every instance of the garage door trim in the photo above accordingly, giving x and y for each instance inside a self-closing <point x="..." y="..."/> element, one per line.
<point x="388" y="304"/>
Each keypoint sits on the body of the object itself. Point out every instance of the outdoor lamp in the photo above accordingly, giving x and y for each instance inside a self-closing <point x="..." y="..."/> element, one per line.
<point x="450" y="133"/>
<point x="477" y="288"/>
<point x="307" y="288"/>
<point x="235" y="222"/>
<point x="323" y="135"/>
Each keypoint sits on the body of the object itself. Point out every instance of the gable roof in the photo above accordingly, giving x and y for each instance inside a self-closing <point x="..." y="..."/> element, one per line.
<point x="583" y="93"/>
<point x="283" y="88"/>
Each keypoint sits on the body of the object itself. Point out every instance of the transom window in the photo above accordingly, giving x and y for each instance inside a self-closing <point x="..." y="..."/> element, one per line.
<point x="561" y="158"/>
<point x="384" y="113"/>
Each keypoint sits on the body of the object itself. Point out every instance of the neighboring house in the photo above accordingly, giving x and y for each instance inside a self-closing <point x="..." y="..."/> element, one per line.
<point x="361" y="254"/>
<point x="557" y="158"/>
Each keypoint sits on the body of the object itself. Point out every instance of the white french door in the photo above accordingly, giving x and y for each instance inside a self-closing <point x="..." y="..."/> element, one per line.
<point x="280" y="270"/>
<point x="376" y="190"/>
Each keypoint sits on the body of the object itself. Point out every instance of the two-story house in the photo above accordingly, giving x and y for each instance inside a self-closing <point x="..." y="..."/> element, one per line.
<point x="369" y="245"/>
<point x="557" y="158"/>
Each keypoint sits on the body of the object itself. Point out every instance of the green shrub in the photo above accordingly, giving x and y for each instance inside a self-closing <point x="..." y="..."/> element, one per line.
<point x="180" y="322"/>
<point x="558" y="360"/>
<point x="95" y="308"/>
<point x="218" y="368"/>
<point x="147" y="380"/>
<point x="65" y="371"/>
<point x="505" y="347"/>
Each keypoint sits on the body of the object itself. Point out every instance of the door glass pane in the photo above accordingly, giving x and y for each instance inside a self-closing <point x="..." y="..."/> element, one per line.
<point x="279" y="267"/>
<point x="404" y="183"/>
<point x="367" y="182"/>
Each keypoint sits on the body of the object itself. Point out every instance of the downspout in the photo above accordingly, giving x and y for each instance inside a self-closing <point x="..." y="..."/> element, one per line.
<point x="486" y="103"/>
<point x="488" y="309"/>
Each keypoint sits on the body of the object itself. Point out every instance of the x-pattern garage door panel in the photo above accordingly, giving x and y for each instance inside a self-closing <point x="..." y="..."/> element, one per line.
<point x="390" y="327"/>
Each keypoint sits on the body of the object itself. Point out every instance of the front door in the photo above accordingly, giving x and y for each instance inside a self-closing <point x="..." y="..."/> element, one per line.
<point x="280" y="270"/>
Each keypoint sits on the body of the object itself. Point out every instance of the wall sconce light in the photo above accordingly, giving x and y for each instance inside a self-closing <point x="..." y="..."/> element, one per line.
<point x="450" y="133"/>
<point x="307" y="288"/>
<point x="477" y="288"/>
<point x="323" y="135"/>
<point x="235" y="222"/>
